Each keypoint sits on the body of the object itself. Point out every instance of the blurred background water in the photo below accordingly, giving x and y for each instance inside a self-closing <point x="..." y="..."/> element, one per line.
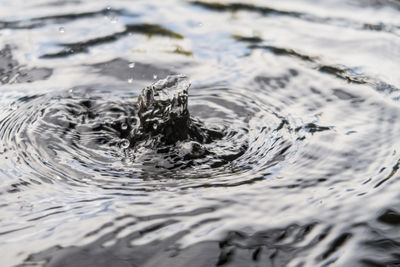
<point x="307" y="93"/>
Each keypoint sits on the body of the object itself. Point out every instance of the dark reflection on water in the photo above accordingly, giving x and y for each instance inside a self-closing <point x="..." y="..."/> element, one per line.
<point x="304" y="172"/>
<point x="64" y="18"/>
<point x="268" y="11"/>
<point x="79" y="47"/>
<point x="275" y="247"/>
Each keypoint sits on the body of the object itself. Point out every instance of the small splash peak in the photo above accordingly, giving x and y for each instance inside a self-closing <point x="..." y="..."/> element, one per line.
<point x="163" y="109"/>
<point x="164" y="117"/>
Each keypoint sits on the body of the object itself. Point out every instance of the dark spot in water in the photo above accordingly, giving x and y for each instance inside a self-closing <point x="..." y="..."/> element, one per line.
<point x="336" y="244"/>
<point x="233" y="7"/>
<point x="253" y="39"/>
<point x="313" y="128"/>
<point x="152" y="29"/>
<point x="342" y="74"/>
<point x="390" y="217"/>
<point x="284" y="52"/>
<point x="341" y="94"/>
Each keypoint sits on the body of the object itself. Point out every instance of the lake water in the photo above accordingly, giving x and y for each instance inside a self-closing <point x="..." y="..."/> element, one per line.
<point x="306" y="94"/>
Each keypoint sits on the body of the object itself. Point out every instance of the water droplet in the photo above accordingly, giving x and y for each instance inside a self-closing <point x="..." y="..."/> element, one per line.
<point x="131" y="65"/>
<point x="124" y="126"/>
<point x="200" y="24"/>
<point x="155" y="126"/>
<point x="108" y="7"/>
<point x="61" y="29"/>
<point x="125" y="143"/>
<point x="154" y="76"/>
<point x="13" y="106"/>
<point x="130" y="80"/>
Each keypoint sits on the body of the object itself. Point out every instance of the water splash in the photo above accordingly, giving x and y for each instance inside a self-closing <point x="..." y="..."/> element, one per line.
<point x="163" y="110"/>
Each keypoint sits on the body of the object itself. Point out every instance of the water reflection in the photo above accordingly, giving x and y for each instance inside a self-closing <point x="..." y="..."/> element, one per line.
<point x="79" y="47"/>
<point x="269" y="248"/>
<point x="305" y="94"/>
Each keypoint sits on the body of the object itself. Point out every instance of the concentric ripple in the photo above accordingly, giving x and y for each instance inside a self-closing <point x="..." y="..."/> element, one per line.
<point x="303" y="99"/>
<point x="80" y="135"/>
<point x="68" y="136"/>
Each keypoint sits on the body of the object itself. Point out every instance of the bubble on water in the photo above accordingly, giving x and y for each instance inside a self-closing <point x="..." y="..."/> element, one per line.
<point x="61" y="29"/>
<point x="124" y="126"/>
<point x="131" y="65"/>
<point x="124" y="143"/>
<point x="154" y="76"/>
<point x="130" y="80"/>
<point x="155" y="126"/>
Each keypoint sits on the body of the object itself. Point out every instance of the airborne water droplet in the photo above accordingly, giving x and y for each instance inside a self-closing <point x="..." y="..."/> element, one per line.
<point x="61" y="29"/>
<point x="125" y="143"/>
<point x="154" y="76"/>
<point x="131" y="65"/>
<point x="130" y="80"/>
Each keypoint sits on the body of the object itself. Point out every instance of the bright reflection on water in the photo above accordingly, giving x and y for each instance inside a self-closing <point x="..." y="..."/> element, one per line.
<point x="305" y="93"/>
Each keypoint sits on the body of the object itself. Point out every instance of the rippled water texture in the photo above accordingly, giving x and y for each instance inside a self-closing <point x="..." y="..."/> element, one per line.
<point x="305" y="96"/>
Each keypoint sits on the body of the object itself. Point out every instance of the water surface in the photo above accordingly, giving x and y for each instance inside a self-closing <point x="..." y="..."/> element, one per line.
<point x="306" y="94"/>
